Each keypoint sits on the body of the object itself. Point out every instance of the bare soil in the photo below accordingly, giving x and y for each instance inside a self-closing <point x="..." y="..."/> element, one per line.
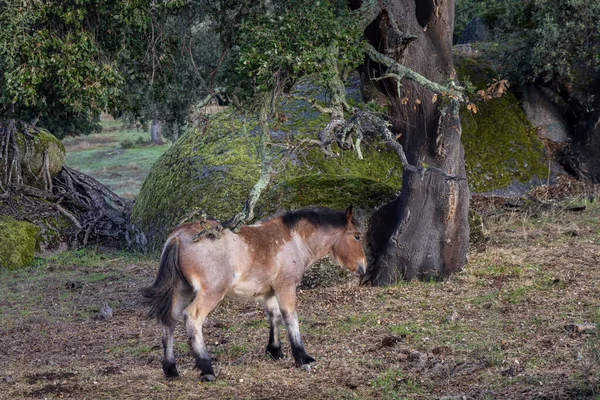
<point x="520" y="322"/>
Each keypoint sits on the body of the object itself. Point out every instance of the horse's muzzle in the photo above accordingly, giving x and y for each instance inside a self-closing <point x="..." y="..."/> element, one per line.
<point x="361" y="269"/>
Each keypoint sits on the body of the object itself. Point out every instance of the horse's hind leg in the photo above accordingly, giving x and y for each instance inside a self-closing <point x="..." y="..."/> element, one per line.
<point x="274" y="316"/>
<point x="180" y="299"/>
<point x="169" y="364"/>
<point x="287" y="305"/>
<point x="194" y="315"/>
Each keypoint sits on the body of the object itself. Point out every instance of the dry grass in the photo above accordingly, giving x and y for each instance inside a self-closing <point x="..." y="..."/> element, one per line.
<point x="502" y="328"/>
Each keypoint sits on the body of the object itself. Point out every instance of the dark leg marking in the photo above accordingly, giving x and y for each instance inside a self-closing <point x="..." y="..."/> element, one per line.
<point x="300" y="355"/>
<point x="170" y="369"/>
<point x="274" y="317"/>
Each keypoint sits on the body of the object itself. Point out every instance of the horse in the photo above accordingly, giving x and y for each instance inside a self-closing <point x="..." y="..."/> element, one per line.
<point x="265" y="261"/>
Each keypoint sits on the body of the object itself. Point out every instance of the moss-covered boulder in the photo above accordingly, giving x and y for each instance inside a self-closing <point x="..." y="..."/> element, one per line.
<point x="502" y="150"/>
<point x="18" y="242"/>
<point x="37" y="147"/>
<point x="215" y="168"/>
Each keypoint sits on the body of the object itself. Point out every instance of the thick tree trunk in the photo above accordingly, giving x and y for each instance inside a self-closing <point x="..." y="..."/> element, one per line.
<point x="425" y="232"/>
<point x="582" y="157"/>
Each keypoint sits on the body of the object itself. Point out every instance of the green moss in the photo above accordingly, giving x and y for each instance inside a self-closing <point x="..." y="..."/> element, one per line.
<point x="18" y="242"/>
<point x="333" y="190"/>
<point x="501" y="146"/>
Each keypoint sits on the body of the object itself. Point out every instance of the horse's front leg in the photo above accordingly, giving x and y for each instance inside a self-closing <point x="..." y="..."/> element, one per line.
<point x="274" y="317"/>
<point x="287" y="305"/>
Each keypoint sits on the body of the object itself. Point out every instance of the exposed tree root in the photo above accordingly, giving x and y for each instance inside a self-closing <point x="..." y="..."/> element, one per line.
<point x="94" y="210"/>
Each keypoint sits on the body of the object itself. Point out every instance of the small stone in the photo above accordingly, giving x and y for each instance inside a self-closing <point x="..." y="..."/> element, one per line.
<point x="8" y="379"/>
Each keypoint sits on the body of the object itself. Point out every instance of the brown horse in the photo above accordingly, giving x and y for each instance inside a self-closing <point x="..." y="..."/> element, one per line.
<point x="265" y="261"/>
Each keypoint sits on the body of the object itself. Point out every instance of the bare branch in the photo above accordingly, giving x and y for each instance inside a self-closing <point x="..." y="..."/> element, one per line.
<point x="399" y="71"/>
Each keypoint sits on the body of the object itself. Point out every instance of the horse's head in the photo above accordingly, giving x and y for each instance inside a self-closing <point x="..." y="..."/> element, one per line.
<point x="347" y="249"/>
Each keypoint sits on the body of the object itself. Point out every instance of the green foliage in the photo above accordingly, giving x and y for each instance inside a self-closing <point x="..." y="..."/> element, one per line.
<point x="274" y="48"/>
<point x="59" y="59"/>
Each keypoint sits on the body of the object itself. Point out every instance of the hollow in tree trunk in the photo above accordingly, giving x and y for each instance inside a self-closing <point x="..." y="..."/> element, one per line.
<point x="424" y="233"/>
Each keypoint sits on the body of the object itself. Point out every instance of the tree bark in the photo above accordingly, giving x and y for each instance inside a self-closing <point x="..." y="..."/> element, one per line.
<point x="582" y="157"/>
<point x="424" y="233"/>
<point x="155" y="132"/>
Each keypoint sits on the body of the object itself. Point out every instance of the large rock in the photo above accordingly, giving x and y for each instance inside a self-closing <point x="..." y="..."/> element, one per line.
<point x="34" y="148"/>
<point x="18" y="242"/>
<point x="545" y="116"/>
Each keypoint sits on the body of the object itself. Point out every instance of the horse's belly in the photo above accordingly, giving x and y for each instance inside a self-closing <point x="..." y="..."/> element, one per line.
<point x="247" y="288"/>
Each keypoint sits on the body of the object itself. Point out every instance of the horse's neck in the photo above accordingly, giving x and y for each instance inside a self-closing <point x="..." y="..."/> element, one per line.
<point x="318" y="244"/>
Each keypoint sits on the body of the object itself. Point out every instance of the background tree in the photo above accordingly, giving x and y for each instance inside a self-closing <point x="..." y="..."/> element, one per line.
<point x="59" y="60"/>
<point x="171" y="71"/>
<point x="424" y="233"/>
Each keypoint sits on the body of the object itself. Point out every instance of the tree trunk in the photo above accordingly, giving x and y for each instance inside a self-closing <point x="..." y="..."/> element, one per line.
<point x="155" y="132"/>
<point x="582" y="157"/>
<point x="425" y="232"/>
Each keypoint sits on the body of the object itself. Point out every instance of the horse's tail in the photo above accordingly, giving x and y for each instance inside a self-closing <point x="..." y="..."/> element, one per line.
<point x="159" y="296"/>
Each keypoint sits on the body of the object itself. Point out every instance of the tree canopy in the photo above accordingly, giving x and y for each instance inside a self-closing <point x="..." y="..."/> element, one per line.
<point x="59" y="60"/>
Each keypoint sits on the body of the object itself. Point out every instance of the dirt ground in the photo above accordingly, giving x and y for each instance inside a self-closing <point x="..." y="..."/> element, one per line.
<point x="520" y="322"/>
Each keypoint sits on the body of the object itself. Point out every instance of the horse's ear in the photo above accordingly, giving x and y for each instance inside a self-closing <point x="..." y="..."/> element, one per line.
<point x="349" y="214"/>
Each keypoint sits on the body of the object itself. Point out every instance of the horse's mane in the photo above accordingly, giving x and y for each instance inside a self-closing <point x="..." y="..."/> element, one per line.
<point x="320" y="217"/>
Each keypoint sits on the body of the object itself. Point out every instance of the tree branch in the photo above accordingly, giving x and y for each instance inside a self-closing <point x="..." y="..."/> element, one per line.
<point x="398" y="71"/>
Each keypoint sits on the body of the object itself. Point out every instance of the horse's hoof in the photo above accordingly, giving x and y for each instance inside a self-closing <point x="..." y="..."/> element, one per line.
<point x="306" y="367"/>
<point x="275" y="353"/>
<point x="304" y="360"/>
<point x="170" y="371"/>
<point x="207" y="378"/>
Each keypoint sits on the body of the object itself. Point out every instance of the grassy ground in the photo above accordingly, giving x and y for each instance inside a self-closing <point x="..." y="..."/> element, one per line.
<point x="520" y="322"/>
<point x="119" y="157"/>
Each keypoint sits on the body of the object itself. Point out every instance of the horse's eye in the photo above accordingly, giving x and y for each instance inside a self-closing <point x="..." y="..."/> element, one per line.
<point x="357" y="237"/>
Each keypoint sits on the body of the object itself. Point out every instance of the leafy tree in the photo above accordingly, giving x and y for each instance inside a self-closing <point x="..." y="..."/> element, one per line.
<point x="173" y="68"/>
<point x="59" y="60"/>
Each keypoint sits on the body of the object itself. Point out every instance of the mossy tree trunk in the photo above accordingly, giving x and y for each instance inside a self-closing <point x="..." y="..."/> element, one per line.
<point x="424" y="233"/>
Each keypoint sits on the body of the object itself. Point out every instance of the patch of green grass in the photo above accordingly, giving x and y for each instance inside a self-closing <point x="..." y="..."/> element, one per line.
<point x="486" y="298"/>
<point x="231" y="352"/>
<point x="119" y="159"/>
<point x="257" y="324"/>
<point x="358" y="321"/>
<point x="516" y="295"/>
<point x="405" y="329"/>
<point x="392" y="385"/>
<point x="78" y="258"/>
<point x="499" y="271"/>
<point x="122" y="170"/>
<point x="96" y="277"/>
